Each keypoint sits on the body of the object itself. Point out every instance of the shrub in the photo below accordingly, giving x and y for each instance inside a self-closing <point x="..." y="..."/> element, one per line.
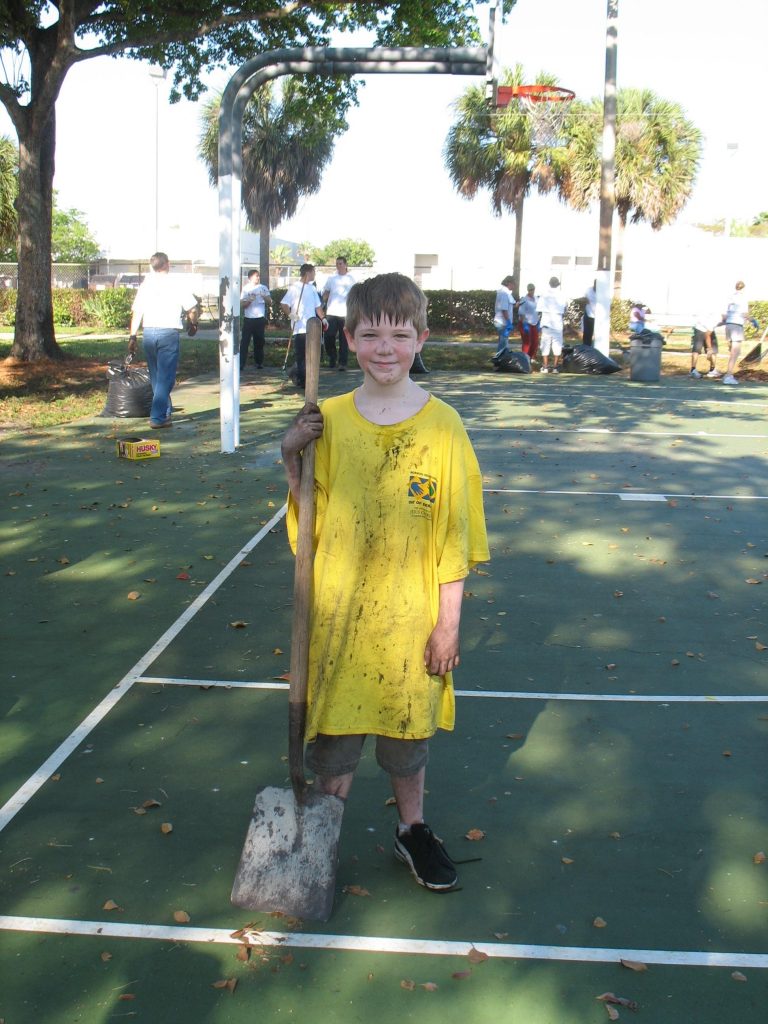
<point x="68" y="307"/>
<point x="620" y="310"/>
<point x="8" y="307"/>
<point x="110" y="308"/>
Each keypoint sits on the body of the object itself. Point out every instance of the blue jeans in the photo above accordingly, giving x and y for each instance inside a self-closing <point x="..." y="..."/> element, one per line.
<point x="504" y="334"/>
<point x="161" y="349"/>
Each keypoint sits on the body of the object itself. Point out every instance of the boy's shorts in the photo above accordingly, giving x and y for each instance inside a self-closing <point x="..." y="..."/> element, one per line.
<point x="551" y="340"/>
<point x="699" y="341"/>
<point x="734" y="333"/>
<point x="340" y="755"/>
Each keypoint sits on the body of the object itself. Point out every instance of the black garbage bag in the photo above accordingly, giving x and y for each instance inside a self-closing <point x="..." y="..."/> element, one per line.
<point x="509" y="360"/>
<point x="586" y="359"/>
<point x="129" y="390"/>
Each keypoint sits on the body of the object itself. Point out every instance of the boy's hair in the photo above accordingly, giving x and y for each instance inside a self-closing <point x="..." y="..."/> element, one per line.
<point x="342" y="259"/>
<point x="255" y="270"/>
<point x="393" y="296"/>
<point x="158" y="261"/>
<point x="305" y="268"/>
<point x="507" y="281"/>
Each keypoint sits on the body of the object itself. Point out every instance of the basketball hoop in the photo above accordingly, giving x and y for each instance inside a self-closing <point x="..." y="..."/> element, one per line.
<point x="545" y="107"/>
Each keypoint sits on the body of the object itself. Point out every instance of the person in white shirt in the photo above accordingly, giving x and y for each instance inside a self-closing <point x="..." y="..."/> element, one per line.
<point x="161" y="300"/>
<point x="704" y="340"/>
<point x="254" y="300"/>
<point x="736" y="315"/>
<point x="528" y="321"/>
<point x="590" y="304"/>
<point x="552" y="305"/>
<point x="503" y="312"/>
<point x="301" y="302"/>
<point x="335" y="298"/>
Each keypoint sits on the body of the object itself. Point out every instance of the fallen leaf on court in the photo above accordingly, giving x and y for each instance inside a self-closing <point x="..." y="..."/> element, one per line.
<point x="134" y="595"/>
<point x="430" y="986"/>
<point x="99" y="781"/>
<point x="609" y="997"/>
<point x="228" y="983"/>
<point x="208" y="558"/>
<point x="760" y="647"/>
<point x="277" y="651"/>
<point x="759" y="858"/>
<point x="166" y="828"/>
<point x="501" y="936"/>
<point x="148" y="804"/>
<point x="63" y="560"/>
<point x="475" y="834"/>
<point x="461" y="975"/>
<point x="243" y="954"/>
<point x="727" y="753"/>
<point x="566" y="860"/>
<point x="674" y="663"/>
<point x="150" y="579"/>
<point x="390" y="801"/>
<point x="285" y="676"/>
<point x="111" y="905"/>
<point x="105" y="957"/>
<point x="611" y="666"/>
<point x="515" y="735"/>
<point x="476" y="956"/>
<point x="634" y="965"/>
<point x="738" y="976"/>
<point x="618" y="593"/>
<point x="238" y="624"/>
<point x="139" y="810"/>
<point x="355" y="890"/>
<point x="752" y="580"/>
<point x="183" y="576"/>
<point x="408" y="985"/>
<point x="713" y="596"/>
<point x="125" y="997"/>
<point x="599" y="923"/>
<point x="181" y="916"/>
<point x="613" y="1013"/>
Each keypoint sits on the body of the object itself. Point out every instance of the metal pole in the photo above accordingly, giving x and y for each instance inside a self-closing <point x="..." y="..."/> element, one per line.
<point x="607" y="185"/>
<point x="242" y="85"/>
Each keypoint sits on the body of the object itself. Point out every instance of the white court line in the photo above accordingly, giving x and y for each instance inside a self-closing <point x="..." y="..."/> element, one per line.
<point x="565" y="431"/>
<point x="46" y="769"/>
<point x="637" y="698"/>
<point x="386" y="944"/>
<point x="626" y="495"/>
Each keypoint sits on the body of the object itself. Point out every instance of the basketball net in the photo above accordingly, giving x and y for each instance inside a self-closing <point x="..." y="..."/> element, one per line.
<point x="545" y="107"/>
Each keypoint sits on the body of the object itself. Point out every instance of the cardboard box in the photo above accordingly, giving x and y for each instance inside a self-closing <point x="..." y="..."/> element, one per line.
<point x="138" y="448"/>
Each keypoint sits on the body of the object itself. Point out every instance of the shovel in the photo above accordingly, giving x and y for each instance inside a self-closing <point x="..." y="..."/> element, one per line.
<point x="289" y="858"/>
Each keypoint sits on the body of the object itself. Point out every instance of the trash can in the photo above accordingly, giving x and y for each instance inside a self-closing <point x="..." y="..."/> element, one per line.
<point x="645" y="357"/>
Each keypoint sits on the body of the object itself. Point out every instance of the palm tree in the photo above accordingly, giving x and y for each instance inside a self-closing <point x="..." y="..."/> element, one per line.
<point x="658" y="152"/>
<point x="288" y="138"/>
<point x="9" y="190"/>
<point x="496" y="150"/>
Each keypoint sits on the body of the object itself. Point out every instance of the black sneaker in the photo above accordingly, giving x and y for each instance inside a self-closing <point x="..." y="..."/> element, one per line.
<point x="424" y="854"/>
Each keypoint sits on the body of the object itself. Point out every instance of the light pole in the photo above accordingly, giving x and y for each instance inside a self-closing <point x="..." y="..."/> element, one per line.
<point x="731" y="149"/>
<point x="158" y="75"/>
<point x="607" y="185"/>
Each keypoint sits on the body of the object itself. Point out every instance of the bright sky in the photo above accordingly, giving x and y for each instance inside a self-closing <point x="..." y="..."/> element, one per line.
<point x="387" y="183"/>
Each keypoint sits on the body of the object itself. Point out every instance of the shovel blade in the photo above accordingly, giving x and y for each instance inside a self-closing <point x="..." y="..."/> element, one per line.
<point x="290" y="854"/>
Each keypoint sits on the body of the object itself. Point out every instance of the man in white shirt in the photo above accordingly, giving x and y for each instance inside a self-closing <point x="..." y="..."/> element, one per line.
<point x="503" y="311"/>
<point x="254" y="300"/>
<point x="335" y="298"/>
<point x="551" y="305"/>
<point x="301" y="302"/>
<point x="735" y="317"/>
<point x="161" y="300"/>
<point x="590" y="304"/>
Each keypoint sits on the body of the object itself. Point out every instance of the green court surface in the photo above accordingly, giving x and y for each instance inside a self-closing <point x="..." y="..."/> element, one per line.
<point x="609" y="753"/>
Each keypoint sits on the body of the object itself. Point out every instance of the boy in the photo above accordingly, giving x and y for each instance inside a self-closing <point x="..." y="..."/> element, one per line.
<point x="503" y="312"/>
<point x="301" y="302"/>
<point x="399" y="522"/>
<point x="704" y="340"/>
<point x="254" y="300"/>
<point x="528" y="314"/>
<point x="552" y="308"/>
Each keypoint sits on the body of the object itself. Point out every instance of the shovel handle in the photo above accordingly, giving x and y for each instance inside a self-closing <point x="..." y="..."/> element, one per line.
<point x="302" y="580"/>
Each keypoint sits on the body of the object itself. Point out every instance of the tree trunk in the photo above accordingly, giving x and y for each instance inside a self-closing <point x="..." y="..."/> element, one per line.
<point x="618" y="266"/>
<point x="264" y="251"/>
<point x="518" y="246"/>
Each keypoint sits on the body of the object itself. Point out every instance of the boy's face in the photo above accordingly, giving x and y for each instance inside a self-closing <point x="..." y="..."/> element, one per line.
<point x="385" y="351"/>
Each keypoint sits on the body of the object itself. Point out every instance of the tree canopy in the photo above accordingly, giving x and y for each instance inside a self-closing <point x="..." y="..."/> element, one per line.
<point x="357" y="252"/>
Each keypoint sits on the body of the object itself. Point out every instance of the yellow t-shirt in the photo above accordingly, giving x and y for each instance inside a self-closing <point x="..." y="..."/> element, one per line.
<point x="399" y="510"/>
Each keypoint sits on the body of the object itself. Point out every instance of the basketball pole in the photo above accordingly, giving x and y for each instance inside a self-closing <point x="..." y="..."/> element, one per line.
<point x="604" y="287"/>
